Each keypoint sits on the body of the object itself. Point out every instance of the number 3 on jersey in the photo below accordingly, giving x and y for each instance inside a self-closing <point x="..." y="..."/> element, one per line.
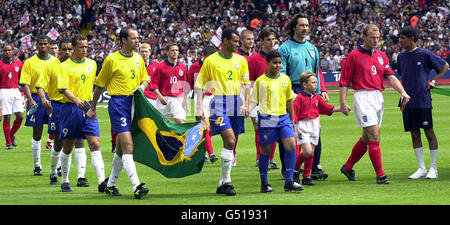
<point x="133" y="74"/>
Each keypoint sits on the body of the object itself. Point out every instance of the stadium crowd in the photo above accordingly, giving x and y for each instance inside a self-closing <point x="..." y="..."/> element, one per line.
<point x="192" y="23"/>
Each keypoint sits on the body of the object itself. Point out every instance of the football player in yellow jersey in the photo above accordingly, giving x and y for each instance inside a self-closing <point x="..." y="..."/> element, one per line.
<point x="122" y="72"/>
<point x="76" y="83"/>
<point x="37" y="116"/>
<point x="273" y="93"/>
<point x="225" y="72"/>
<point x="49" y="83"/>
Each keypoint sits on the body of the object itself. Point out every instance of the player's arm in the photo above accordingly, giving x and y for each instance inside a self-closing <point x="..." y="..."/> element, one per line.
<point x="92" y="112"/>
<point x="45" y="102"/>
<point x="438" y="76"/>
<point x="290" y="110"/>
<point x="344" y="82"/>
<point x="323" y="89"/>
<point x="246" y="83"/>
<point x="27" y="91"/>
<point x="342" y="96"/>
<point x="254" y="98"/>
<point x="395" y="83"/>
<point x="143" y="85"/>
<point x="155" y="86"/>
<point x="80" y="104"/>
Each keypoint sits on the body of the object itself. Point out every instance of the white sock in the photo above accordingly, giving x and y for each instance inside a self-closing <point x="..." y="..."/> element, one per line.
<point x="227" y="163"/>
<point x="54" y="155"/>
<point x="99" y="166"/>
<point x="66" y="161"/>
<point x="419" y="157"/>
<point x="81" y="158"/>
<point x="117" y="165"/>
<point x="433" y="157"/>
<point x="36" y="148"/>
<point x="130" y="169"/>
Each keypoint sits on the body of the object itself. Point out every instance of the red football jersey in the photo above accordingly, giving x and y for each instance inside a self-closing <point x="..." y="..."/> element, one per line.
<point x="151" y="70"/>
<point x="193" y="74"/>
<point x="170" y="79"/>
<point x="310" y="106"/>
<point x="247" y="55"/>
<point x="10" y="74"/>
<point x="257" y="65"/>
<point x="364" y="70"/>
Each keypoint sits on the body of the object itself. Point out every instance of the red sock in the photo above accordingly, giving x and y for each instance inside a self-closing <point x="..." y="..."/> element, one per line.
<point x="235" y="145"/>
<point x="208" y="143"/>
<point x="113" y="137"/>
<point x="299" y="161"/>
<point x="273" y="151"/>
<point x="308" y="166"/>
<point x="16" y="125"/>
<point x="298" y="149"/>
<point x="258" y="147"/>
<point x="358" y="152"/>
<point x="375" y="157"/>
<point x="7" y="131"/>
<point x="51" y="137"/>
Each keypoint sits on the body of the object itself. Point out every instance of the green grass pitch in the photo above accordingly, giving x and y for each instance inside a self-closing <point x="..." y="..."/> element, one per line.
<point x="18" y="186"/>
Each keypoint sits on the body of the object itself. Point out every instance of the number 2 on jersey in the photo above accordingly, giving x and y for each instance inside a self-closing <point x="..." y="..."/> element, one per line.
<point x="230" y="73"/>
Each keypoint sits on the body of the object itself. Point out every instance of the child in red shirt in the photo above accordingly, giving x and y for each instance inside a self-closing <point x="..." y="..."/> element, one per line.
<point x="307" y="107"/>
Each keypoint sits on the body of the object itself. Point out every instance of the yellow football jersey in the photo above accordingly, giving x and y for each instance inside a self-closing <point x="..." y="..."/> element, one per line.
<point x="78" y="77"/>
<point x="225" y="76"/>
<point x="49" y="81"/>
<point x="33" y="68"/>
<point x="122" y="74"/>
<point x="272" y="94"/>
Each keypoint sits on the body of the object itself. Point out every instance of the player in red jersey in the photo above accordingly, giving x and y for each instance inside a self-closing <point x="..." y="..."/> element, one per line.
<point x="257" y="66"/>
<point x="170" y="79"/>
<point x="11" y="100"/>
<point x="151" y="94"/>
<point x="247" y="43"/>
<point x="191" y="78"/>
<point x="364" y="70"/>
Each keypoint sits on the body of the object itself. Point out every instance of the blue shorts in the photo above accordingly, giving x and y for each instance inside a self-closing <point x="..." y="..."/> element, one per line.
<point x="274" y="128"/>
<point x="40" y="116"/>
<point x="75" y="123"/>
<point x="55" y="118"/>
<point x="119" y="109"/>
<point x="225" y="115"/>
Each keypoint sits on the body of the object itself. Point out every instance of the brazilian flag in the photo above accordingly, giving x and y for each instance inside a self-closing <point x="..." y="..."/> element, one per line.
<point x="174" y="150"/>
<point x="441" y="91"/>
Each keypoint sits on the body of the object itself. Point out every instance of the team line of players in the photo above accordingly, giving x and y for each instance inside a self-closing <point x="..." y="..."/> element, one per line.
<point x="62" y="90"/>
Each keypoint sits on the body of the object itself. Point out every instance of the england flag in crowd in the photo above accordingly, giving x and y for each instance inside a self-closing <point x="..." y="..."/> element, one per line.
<point x="331" y="20"/>
<point x="217" y="38"/>
<point x="53" y="34"/>
<point x="26" y="42"/>
<point x="25" y="18"/>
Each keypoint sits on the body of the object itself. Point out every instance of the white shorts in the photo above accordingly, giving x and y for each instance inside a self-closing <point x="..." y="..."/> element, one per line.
<point x="206" y="104"/>
<point x="174" y="108"/>
<point x="153" y="102"/>
<point x="368" y="106"/>
<point x="11" y="101"/>
<point x="308" y="131"/>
